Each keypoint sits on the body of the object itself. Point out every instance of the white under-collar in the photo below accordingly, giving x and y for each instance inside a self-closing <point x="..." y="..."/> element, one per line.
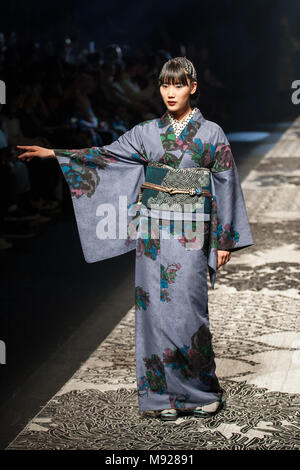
<point x="178" y="126"/>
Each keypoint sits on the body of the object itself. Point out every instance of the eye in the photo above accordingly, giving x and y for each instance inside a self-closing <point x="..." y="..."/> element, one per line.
<point x="177" y="85"/>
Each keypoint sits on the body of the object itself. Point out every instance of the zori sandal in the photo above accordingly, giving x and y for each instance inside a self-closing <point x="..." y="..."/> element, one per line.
<point x="206" y="411"/>
<point x="168" y="415"/>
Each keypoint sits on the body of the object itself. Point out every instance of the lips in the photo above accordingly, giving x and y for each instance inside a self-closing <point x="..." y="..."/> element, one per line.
<point x="171" y="103"/>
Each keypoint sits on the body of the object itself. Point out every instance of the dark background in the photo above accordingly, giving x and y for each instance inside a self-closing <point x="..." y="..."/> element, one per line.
<point x="251" y="43"/>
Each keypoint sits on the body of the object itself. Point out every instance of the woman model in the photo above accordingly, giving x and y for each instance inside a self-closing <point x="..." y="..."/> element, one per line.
<point x="151" y="174"/>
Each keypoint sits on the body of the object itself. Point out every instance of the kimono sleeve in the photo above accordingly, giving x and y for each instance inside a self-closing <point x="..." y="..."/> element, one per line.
<point x="230" y="228"/>
<point x="104" y="182"/>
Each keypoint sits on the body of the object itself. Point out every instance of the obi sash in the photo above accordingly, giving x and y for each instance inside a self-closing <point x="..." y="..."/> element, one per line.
<point x="185" y="190"/>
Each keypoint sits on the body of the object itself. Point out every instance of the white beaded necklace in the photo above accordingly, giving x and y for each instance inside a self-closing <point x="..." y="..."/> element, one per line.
<point x="178" y="126"/>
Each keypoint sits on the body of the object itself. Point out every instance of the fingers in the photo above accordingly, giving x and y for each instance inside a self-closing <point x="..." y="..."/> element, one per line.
<point x="30" y="152"/>
<point x="27" y="147"/>
<point x="223" y="257"/>
<point x="25" y="156"/>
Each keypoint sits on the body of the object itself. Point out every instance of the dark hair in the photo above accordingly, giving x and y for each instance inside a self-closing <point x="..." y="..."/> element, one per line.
<point x="177" y="70"/>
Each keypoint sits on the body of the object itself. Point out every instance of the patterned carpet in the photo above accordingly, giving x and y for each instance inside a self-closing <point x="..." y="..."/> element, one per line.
<point x="254" y="316"/>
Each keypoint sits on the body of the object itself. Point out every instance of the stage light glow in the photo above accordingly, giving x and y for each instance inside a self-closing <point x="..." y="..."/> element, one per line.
<point x="247" y="136"/>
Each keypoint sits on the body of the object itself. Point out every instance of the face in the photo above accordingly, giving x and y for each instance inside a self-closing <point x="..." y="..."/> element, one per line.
<point x="176" y="96"/>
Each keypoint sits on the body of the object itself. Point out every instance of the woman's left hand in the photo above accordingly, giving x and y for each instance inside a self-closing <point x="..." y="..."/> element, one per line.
<point x="223" y="257"/>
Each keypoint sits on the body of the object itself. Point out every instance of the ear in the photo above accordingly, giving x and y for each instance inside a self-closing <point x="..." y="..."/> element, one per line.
<point x="193" y="88"/>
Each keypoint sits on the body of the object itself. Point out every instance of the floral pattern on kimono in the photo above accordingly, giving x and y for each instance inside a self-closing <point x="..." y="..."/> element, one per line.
<point x="223" y="159"/>
<point x="196" y="360"/>
<point x="202" y="153"/>
<point x="202" y="241"/>
<point x="81" y="180"/>
<point x="227" y="236"/>
<point x="141" y="298"/>
<point x="149" y="247"/>
<point x="230" y="228"/>
<point x="81" y="171"/>
<point x="167" y="276"/>
<point x="142" y="155"/>
<point x="155" y="379"/>
<point x="178" y="401"/>
<point x="171" y="143"/>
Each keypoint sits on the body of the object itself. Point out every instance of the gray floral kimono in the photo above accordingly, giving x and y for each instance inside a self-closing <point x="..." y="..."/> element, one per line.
<point x="175" y="366"/>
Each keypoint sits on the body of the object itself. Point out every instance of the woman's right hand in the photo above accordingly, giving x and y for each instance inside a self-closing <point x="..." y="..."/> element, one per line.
<point x="35" y="151"/>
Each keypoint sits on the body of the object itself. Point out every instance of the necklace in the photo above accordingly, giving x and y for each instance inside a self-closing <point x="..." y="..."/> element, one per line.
<point x="178" y="126"/>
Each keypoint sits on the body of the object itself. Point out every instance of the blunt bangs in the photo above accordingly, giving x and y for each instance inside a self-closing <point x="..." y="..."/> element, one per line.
<point x="173" y="72"/>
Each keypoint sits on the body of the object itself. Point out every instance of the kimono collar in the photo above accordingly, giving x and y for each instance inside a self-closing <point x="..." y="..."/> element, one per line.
<point x="164" y="120"/>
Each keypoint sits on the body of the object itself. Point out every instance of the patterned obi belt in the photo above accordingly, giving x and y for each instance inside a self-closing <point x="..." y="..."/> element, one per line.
<point x="185" y="190"/>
